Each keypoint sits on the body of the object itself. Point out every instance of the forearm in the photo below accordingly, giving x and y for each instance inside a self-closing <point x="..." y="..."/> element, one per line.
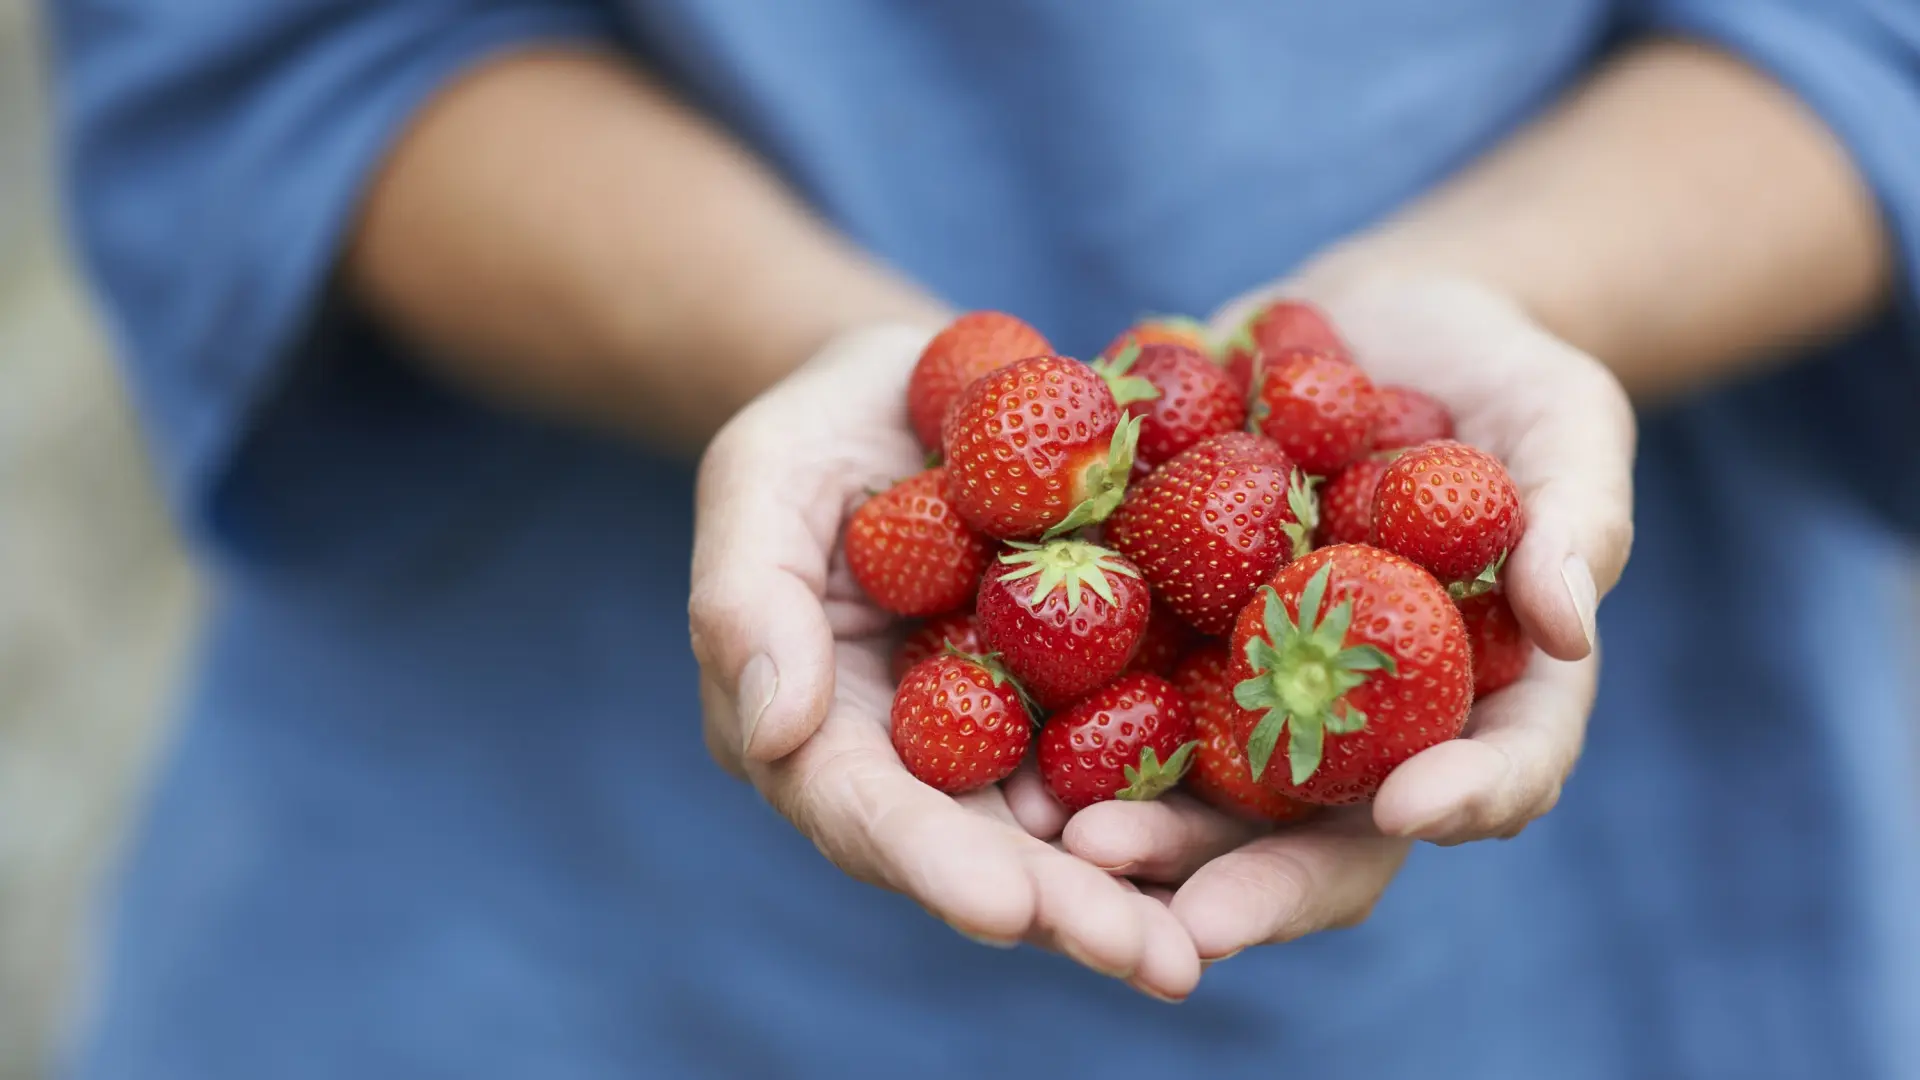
<point x="1681" y="218"/>
<point x="556" y="231"/>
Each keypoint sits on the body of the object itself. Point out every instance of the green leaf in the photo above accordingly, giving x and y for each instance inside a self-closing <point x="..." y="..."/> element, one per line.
<point x="1072" y="563"/>
<point x="1126" y="388"/>
<point x="1153" y="778"/>
<point x="1483" y="582"/>
<point x="1306" y="511"/>
<point x="1265" y="736"/>
<point x="1105" y="483"/>
<point x="1311" y="597"/>
<point x="1304" y="743"/>
<point x="1365" y="658"/>
<point x="1274" y="618"/>
<point x="1332" y="633"/>
<point x="1256" y="694"/>
<point x="1346" y="721"/>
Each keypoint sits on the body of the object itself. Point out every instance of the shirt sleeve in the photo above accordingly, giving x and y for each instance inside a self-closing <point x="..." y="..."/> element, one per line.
<point x="212" y="160"/>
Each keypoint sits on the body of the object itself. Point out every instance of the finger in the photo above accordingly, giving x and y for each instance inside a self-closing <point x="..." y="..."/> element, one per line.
<point x="1087" y="914"/>
<point x="1522" y="744"/>
<point x="1034" y="807"/>
<point x="717" y="727"/>
<point x="1166" y="839"/>
<point x="1289" y="884"/>
<point x="1169" y="964"/>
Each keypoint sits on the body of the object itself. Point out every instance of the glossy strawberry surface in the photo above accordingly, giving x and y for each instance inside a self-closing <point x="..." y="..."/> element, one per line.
<point x="969" y="347"/>
<point x="1126" y="740"/>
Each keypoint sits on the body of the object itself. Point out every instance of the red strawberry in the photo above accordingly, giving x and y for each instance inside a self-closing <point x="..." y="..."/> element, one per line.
<point x="1277" y="328"/>
<point x="1320" y="409"/>
<point x="970" y="346"/>
<point x="1064" y="617"/>
<point x="959" y="723"/>
<point x="1038" y="448"/>
<point x="1130" y="739"/>
<point x="1500" y="648"/>
<point x="955" y="629"/>
<point x="1166" y="637"/>
<point x="1179" y="395"/>
<point x="1409" y="418"/>
<point x="1346" y="502"/>
<point x="1220" y="772"/>
<point x="1209" y="527"/>
<point x="1352" y="662"/>
<point x="910" y="552"/>
<point x="1452" y="509"/>
<point x="1161" y="330"/>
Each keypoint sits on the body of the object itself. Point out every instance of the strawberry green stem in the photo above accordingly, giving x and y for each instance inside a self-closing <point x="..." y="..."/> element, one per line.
<point x="1105" y="482"/>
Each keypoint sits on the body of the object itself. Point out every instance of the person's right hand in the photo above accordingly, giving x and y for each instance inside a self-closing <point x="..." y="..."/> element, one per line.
<point x="797" y="697"/>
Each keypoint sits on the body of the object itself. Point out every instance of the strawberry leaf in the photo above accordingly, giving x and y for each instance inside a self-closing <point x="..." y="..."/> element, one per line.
<point x="1265" y="736"/>
<point x="1305" y="740"/>
<point x="1106" y="481"/>
<point x="1153" y="778"/>
<point x="1075" y="564"/>
<point x="1126" y="388"/>
<point x="1483" y="582"/>
<point x="1306" y="512"/>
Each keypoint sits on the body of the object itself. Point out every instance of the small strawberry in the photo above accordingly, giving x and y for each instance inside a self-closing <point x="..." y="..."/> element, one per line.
<point x="955" y="629"/>
<point x="1351" y="662"/>
<point x="1346" y="502"/>
<point x="1209" y="527"/>
<point x="1409" y="418"/>
<point x="1500" y="648"/>
<point x="1320" y="409"/>
<point x="1038" y="448"/>
<point x="1065" y="616"/>
<point x="1281" y="326"/>
<point x="1451" y="508"/>
<point x="910" y="551"/>
<point x="1130" y="739"/>
<point x="1166" y="637"/>
<point x="959" y="722"/>
<point x="969" y="347"/>
<point x="1220" y="772"/>
<point x="1179" y="395"/>
<point x="1161" y="330"/>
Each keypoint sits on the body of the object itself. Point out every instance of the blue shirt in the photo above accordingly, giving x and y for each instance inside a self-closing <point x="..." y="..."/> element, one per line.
<point x="437" y="803"/>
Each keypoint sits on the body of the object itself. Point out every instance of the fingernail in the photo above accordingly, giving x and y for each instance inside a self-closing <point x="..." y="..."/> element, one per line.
<point x="1122" y="870"/>
<point x="1083" y="960"/>
<point x="1580" y="589"/>
<point x="758" y="681"/>
<point x="1155" y="994"/>
<point x="981" y="939"/>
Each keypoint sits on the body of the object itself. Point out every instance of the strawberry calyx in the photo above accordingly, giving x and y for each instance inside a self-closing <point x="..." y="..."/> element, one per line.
<point x="996" y="671"/>
<point x="1479" y="584"/>
<point x="1302" y="672"/>
<point x="1306" y="512"/>
<point x="1153" y="777"/>
<point x="1126" y="388"/>
<point x="1076" y="564"/>
<point x="1104" y="482"/>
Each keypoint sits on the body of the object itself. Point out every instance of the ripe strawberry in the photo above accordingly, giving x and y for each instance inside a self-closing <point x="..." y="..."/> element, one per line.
<point x="1452" y="509"/>
<point x="1346" y="502"/>
<point x="910" y="551"/>
<point x="1500" y="648"/>
<point x="970" y="346"/>
<point x="1279" y="327"/>
<point x="1130" y="739"/>
<point x="1038" y="448"/>
<point x="1064" y="617"/>
<point x="1161" y="330"/>
<point x="1350" y="663"/>
<point x="1320" y="409"/>
<point x="1166" y="637"/>
<point x="1409" y="418"/>
<point x="959" y="722"/>
<point x="1209" y="527"/>
<point x="1179" y="395"/>
<point x="955" y="629"/>
<point x="1220" y="772"/>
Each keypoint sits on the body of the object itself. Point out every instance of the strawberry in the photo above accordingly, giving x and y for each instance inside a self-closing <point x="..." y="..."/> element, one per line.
<point x="1209" y="527"/>
<point x="1320" y="409"/>
<point x="1500" y="648"/>
<point x="959" y="722"/>
<point x="1166" y="637"/>
<point x="1276" y="328"/>
<point x="1452" y="509"/>
<point x="1161" y="330"/>
<point x="910" y="551"/>
<point x="1351" y="662"/>
<point x="1346" y="502"/>
<point x="1220" y="773"/>
<point x="1038" y="449"/>
<point x="1130" y="739"/>
<point x="1065" y="616"/>
<point x="1409" y="418"/>
<point x="955" y="629"/>
<point x="969" y="347"/>
<point x="1179" y="395"/>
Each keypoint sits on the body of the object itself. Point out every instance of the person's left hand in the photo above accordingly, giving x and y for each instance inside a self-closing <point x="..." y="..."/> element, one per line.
<point x="1565" y="430"/>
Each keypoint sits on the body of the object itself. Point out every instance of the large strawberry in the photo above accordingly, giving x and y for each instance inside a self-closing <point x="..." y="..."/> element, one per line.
<point x="1165" y="639"/>
<point x="1179" y="395"/>
<point x="1220" y="772"/>
<point x="1353" y="661"/>
<point x="959" y="722"/>
<point x="1409" y="418"/>
<point x="954" y="630"/>
<point x="910" y="551"/>
<point x="1064" y="616"/>
<point x="1209" y="527"/>
<point x="970" y="346"/>
<point x="1451" y="508"/>
<point x="1130" y="739"/>
<point x="1319" y="408"/>
<point x="1346" y="501"/>
<point x="1500" y="648"/>
<point x="1038" y="448"/>
<point x="1276" y="328"/>
<point x="1161" y="330"/>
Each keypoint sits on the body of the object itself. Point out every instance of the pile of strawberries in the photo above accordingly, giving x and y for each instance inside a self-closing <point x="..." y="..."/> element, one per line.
<point x="1258" y="573"/>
